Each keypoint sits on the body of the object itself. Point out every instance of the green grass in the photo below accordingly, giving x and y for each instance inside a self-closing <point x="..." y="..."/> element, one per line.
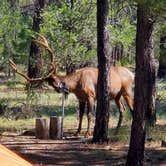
<point x="48" y="103"/>
<point x="16" y="126"/>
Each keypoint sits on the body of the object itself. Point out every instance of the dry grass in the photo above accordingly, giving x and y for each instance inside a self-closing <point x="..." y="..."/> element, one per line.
<point x="48" y="103"/>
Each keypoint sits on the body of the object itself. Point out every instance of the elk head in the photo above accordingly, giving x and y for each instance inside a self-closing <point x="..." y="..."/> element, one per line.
<point x="52" y="79"/>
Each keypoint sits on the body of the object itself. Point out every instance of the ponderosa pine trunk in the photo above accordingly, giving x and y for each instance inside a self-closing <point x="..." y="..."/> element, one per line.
<point x="35" y="66"/>
<point x="162" y="58"/>
<point x="100" y="134"/>
<point x="144" y="92"/>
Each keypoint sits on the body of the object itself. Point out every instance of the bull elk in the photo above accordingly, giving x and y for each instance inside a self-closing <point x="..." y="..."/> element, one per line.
<point x="83" y="83"/>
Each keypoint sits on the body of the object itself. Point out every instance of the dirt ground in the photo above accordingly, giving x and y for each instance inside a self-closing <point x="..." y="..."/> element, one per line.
<point x="77" y="151"/>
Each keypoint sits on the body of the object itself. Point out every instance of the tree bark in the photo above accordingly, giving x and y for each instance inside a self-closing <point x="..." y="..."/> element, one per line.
<point x="42" y="129"/>
<point x="144" y="92"/>
<point x="35" y="66"/>
<point x="56" y="127"/>
<point x="100" y="134"/>
<point x="162" y="58"/>
<point x="117" y="53"/>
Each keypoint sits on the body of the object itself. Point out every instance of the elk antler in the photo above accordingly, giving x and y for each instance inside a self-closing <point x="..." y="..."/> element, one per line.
<point x="17" y="70"/>
<point x="43" y="43"/>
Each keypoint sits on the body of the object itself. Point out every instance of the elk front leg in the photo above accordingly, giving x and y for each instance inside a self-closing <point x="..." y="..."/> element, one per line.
<point x="81" y="113"/>
<point x="90" y="108"/>
<point x="127" y="94"/>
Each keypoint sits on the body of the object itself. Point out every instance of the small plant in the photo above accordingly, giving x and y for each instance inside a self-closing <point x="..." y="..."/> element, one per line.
<point x="161" y="88"/>
<point x="11" y="84"/>
<point x="21" y="109"/>
<point x="22" y="112"/>
<point x="3" y="106"/>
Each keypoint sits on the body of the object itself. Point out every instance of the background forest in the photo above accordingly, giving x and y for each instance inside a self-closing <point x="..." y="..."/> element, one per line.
<point x="70" y="27"/>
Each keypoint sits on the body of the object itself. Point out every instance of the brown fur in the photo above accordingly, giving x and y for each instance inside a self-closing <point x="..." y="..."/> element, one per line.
<point x="83" y="84"/>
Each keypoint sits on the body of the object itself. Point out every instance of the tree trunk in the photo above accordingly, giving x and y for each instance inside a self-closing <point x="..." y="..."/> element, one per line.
<point x="100" y="134"/>
<point x="144" y="92"/>
<point x="117" y="53"/>
<point x="162" y="58"/>
<point x="56" y="127"/>
<point x="35" y="66"/>
<point x="42" y="129"/>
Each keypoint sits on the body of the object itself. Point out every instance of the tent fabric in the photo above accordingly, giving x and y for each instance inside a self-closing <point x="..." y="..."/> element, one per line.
<point x="9" y="158"/>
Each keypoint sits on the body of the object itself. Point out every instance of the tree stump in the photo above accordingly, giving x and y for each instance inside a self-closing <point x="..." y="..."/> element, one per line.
<point x="42" y="128"/>
<point x="163" y="143"/>
<point x="56" y="127"/>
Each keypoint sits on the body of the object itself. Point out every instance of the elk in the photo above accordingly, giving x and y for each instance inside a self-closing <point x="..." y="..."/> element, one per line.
<point x="83" y="83"/>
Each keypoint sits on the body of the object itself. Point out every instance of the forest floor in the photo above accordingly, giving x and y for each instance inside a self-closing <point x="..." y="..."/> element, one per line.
<point x="77" y="151"/>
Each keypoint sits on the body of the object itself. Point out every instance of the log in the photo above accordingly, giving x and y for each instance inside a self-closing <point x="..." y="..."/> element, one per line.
<point x="56" y="127"/>
<point x="42" y="128"/>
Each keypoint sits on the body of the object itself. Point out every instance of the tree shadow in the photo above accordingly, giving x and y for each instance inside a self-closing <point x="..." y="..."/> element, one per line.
<point x="77" y="152"/>
<point x="66" y="152"/>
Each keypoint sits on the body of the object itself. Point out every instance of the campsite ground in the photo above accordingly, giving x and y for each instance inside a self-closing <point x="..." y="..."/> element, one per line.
<point x="77" y="151"/>
<point x="20" y="109"/>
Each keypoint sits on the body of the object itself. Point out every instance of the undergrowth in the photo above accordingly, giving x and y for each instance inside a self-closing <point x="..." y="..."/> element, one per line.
<point x="19" y="108"/>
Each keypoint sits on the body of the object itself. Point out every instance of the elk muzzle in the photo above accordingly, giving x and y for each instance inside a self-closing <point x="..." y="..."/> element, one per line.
<point x="63" y="88"/>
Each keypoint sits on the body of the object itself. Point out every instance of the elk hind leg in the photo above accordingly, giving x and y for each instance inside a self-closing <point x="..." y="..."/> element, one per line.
<point x="89" y="116"/>
<point x="81" y="113"/>
<point x="128" y="98"/>
<point x="121" y="107"/>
